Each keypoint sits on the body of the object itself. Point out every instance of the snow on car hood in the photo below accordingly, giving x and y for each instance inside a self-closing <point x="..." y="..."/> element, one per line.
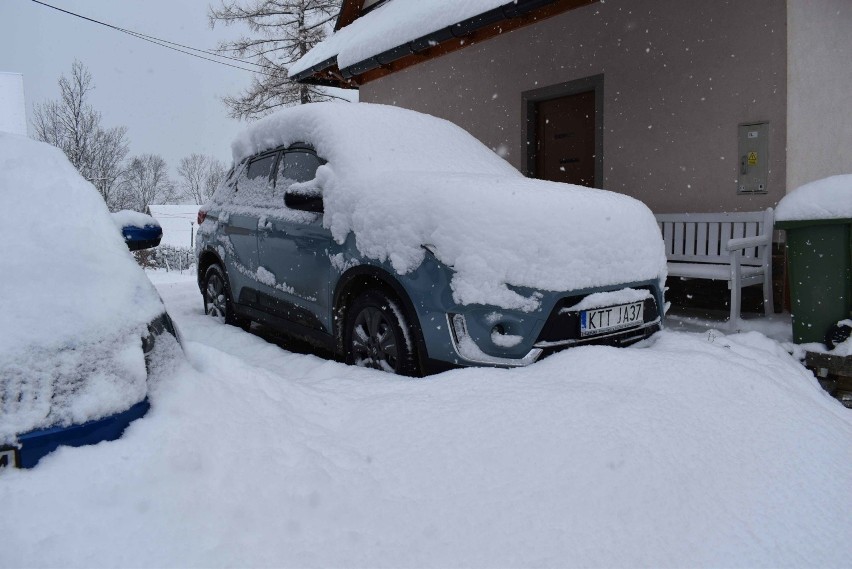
<point x="400" y="179"/>
<point x="73" y="300"/>
<point x="496" y="231"/>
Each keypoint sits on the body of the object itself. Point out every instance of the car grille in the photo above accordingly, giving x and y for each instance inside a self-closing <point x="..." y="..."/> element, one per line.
<point x="562" y="329"/>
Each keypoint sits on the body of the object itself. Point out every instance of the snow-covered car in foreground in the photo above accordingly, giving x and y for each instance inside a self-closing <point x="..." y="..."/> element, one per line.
<point x="400" y="242"/>
<point x="84" y="334"/>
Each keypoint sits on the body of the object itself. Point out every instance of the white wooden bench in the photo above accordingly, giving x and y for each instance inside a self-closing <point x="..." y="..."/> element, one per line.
<point x="733" y="247"/>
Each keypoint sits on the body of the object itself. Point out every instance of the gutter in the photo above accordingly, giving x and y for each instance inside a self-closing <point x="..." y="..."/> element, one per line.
<point x="514" y="9"/>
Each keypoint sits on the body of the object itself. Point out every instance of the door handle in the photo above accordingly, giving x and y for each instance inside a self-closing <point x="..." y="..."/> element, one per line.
<point x="744" y="164"/>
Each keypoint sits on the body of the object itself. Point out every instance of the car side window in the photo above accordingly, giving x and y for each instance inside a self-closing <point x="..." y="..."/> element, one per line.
<point x="296" y="166"/>
<point x="254" y="185"/>
<point x="225" y="191"/>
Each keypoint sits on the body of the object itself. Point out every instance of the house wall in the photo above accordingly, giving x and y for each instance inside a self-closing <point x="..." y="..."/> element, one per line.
<point x="678" y="79"/>
<point x="819" y="114"/>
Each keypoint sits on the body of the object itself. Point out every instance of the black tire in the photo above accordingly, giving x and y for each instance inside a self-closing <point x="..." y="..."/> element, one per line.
<point x="377" y="335"/>
<point x="218" y="302"/>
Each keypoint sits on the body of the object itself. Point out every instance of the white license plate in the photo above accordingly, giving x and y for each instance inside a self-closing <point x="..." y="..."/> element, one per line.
<point x="8" y="458"/>
<point x="602" y="320"/>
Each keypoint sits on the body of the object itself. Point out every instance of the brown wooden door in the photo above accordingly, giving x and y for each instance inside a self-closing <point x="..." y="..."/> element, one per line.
<point x="565" y="139"/>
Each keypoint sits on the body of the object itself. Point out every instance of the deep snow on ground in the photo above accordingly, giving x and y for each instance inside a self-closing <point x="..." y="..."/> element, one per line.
<point x="694" y="450"/>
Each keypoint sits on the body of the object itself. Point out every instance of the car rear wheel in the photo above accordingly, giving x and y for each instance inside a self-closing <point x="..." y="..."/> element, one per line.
<point x="377" y="335"/>
<point x="218" y="302"/>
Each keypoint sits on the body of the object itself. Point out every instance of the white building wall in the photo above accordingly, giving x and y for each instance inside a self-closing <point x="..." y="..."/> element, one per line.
<point x="819" y="90"/>
<point x="13" y="109"/>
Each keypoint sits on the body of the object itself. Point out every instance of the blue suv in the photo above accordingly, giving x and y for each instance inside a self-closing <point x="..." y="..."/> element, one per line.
<point x="399" y="242"/>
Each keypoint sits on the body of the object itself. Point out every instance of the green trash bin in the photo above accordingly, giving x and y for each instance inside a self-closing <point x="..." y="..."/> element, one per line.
<point x="819" y="256"/>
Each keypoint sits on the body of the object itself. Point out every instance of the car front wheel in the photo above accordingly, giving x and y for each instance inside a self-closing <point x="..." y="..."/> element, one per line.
<point x="377" y="335"/>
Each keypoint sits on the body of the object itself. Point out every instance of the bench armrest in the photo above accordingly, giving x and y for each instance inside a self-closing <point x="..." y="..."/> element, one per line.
<point x="746" y="242"/>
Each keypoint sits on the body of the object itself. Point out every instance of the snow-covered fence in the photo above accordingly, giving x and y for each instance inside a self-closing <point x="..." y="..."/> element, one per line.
<point x="167" y="257"/>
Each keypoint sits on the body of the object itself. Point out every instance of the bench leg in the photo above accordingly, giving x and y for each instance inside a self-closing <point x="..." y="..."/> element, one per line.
<point x="736" y="301"/>
<point x="768" y="304"/>
<point x="736" y="292"/>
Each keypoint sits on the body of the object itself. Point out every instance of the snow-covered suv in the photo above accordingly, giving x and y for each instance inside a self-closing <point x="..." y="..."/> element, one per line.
<point x="400" y="242"/>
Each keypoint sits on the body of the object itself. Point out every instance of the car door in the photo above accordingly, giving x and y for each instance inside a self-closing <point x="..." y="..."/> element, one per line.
<point x="252" y="190"/>
<point x="294" y="247"/>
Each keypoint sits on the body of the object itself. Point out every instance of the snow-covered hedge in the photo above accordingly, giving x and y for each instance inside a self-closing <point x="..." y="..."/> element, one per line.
<point x="166" y="257"/>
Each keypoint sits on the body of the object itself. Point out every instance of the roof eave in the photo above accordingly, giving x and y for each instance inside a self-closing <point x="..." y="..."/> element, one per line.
<point x="424" y="47"/>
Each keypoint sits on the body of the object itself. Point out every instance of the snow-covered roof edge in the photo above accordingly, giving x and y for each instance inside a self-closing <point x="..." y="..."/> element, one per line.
<point x="400" y="28"/>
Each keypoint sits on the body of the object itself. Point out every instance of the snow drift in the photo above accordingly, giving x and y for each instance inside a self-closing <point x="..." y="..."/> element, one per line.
<point x="696" y="451"/>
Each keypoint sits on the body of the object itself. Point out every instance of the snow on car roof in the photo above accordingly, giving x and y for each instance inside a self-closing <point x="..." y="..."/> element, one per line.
<point x="829" y="198"/>
<point x="391" y="24"/>
<point x="74" y="302"/>
<point x="400" y="180"/>
<point x="368" y="138"/>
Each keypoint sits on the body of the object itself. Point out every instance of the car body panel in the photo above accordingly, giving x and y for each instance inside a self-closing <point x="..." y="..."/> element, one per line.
<point x="35" y="445"/>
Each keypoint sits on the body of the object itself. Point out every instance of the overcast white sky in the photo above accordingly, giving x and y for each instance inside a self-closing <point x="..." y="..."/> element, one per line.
<point x="170" y="102"/>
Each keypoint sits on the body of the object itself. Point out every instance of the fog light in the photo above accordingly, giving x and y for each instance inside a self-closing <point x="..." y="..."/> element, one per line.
<point x="459" y="326"/>
<point x="501" y="339"/>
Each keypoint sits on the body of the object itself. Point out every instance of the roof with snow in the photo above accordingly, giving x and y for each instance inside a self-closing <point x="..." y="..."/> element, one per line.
<point x="376" y="38"/>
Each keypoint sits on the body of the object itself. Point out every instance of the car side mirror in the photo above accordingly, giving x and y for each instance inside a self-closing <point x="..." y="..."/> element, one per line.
<point x="304" y="202"/>
<point x="138" y="238"/>
<point x="140" y="230"/>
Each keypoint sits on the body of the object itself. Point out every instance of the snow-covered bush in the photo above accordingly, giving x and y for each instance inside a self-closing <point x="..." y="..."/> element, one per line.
<point x="166" y="257"/>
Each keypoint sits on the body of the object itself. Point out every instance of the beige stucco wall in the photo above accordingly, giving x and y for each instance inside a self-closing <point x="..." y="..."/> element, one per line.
<point x="819" y="114"/>
<point x="678" y="78"/>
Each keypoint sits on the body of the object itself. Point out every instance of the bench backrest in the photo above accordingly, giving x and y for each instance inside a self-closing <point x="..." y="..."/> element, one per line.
<point x="701" y="237"/>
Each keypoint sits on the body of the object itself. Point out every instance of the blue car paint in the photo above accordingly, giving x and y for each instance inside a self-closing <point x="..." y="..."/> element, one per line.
<point x="142" y="237"/>
<point x="35" y="445"/>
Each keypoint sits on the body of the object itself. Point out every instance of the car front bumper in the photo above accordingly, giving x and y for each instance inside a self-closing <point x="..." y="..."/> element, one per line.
<point x="33" y="446"/>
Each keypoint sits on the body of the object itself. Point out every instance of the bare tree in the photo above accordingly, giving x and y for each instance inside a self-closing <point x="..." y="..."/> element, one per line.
<point x="199" y="177"/>
<point x="72" y="125"/>
<point x="107" y="163"/>
<point x="215" y="176"/>
<point x="191" y="170"/>
<point x="145" y="182"/>
<point x="283" y="32"/>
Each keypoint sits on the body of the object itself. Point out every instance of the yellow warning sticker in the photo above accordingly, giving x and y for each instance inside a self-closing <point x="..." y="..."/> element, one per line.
<point x="752" y="158"/>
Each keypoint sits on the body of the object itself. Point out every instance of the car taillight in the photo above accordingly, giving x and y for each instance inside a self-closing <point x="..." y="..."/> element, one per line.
<point x="202" y="215"/>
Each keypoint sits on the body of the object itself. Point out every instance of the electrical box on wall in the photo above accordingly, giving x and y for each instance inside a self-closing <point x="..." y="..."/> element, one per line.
<point x="753" y="163"/>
